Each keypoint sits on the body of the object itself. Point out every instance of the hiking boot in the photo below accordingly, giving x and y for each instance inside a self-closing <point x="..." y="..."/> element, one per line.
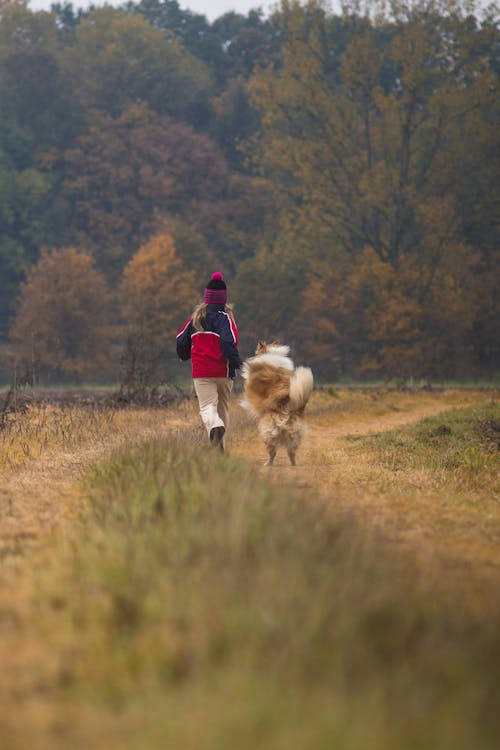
<point x="216" y="437"/>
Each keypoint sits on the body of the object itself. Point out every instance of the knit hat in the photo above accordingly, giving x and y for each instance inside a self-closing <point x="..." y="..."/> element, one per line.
<point x="216" y="292"/>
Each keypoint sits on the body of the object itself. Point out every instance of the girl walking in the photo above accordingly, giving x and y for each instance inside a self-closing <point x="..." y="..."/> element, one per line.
<point x="209" y="338"/>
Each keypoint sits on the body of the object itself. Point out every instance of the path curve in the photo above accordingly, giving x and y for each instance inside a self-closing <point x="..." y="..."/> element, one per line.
<point x="457" y="547"/>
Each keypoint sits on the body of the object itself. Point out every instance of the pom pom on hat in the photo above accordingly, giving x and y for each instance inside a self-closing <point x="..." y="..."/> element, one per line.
<point x="217" y="281"/>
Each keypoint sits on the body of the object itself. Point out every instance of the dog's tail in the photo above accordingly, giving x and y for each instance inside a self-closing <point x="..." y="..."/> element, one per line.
<point x="301" y="385"/>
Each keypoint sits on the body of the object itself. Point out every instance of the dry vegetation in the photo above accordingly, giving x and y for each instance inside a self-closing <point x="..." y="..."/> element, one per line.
<point x="360" y="459"/>
<point x="46" y="448"/>
<point x="167" y="600"/>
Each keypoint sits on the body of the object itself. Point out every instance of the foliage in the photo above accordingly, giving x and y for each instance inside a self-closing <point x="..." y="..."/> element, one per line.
<point x="344" y="165"/>
<point x="119" y="60"/>
<point x="231" y="46"/>
<point x="267" y="289"/>
<point x="62" y="320"/>
<point x="374" y="320"/>
<point x="38" y="117"/>
<point x="364" y="156"/>
<point x="123" y="172"/>
<point x="155" y="288"/>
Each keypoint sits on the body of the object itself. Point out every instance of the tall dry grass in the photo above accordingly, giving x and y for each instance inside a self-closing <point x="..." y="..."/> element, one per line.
<point x="44" y="428"/>
<point x="196" y="606"/>
<point x="41" y="430"/>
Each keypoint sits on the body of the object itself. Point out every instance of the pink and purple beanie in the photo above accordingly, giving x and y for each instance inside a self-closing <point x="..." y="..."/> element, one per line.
<point x="216" y="291"/>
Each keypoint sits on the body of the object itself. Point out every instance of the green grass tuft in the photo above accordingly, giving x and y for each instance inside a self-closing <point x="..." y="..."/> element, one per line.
<point x="462" y="442"/>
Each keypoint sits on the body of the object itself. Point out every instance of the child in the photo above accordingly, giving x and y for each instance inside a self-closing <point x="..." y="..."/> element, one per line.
<point x="209" y="338"/>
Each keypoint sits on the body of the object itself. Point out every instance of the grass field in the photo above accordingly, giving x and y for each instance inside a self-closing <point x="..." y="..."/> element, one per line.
<point x="460" y="446"/>
<point x="180" y="599"/>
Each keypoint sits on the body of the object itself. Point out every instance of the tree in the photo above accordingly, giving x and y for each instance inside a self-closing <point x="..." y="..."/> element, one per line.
<point x="359" y="145"/>
<point x="126" y="174"/>
<point x="363" y="156"/>
<point x="36" y="93"/>
<point x="62" y="320"/>
<point x="118" y="60"/>
<point x="26" y="204"/>
<point x="38" y="116"/>
<point x="366" y="320"/>
<point x="231" y="45"/>
<point x="233" y="121"/>
<point x="267" y="289"/>
<point x="156" y="291"/>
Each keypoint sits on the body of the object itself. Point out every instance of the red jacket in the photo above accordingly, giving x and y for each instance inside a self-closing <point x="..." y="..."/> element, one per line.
<point x="214" y="351"/>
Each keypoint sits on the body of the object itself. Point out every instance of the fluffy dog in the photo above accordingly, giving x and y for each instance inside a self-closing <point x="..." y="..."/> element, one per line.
<point x="276" y="393"/>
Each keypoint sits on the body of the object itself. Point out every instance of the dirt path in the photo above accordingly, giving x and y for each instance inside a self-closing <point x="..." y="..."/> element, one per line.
<point x="408" y="510"/>
<point x="455" y="540"/>
<point x="455" y="545"/>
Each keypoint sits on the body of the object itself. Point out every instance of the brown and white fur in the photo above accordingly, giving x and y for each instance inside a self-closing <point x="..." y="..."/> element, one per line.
<point x="276" y="393"/>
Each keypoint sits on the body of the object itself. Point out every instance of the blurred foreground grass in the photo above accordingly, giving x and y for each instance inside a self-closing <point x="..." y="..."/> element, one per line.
<point x="198" y="607"/>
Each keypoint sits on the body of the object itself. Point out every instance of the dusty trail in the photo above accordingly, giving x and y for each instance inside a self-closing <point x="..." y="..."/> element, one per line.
<point x="456" y="543"/>
<point x="457" y="548"/>
<point x="37" y="499"/>
<point x="408" y="510"/>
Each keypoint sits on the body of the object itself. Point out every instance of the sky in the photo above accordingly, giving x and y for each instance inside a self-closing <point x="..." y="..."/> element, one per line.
<point x="212" y="9"/>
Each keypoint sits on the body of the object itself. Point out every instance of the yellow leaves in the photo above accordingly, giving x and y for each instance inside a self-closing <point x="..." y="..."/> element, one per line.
<point x="360" y="66"/>
<point x="156" y="290"/>
<point x="362" y="139"/>
<point x="63" y="318"/>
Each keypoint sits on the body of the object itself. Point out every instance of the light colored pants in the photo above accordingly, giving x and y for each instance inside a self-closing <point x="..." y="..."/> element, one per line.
<point x="213" y="399"/>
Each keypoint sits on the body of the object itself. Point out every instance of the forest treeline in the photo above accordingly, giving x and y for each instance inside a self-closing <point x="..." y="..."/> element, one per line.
<point x="340" y="170"/>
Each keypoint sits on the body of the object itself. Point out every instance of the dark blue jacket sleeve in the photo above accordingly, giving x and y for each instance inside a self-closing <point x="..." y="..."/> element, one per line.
<point x="228" y="343"/>
<point x="184" y="341"/>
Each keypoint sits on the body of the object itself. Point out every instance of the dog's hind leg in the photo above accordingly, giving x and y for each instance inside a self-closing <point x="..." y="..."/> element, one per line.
<point x="293" y="442"/>
<point x="271" y="449"/>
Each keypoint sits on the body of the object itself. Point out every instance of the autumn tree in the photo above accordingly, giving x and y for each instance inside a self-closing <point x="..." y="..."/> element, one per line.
<point x="359" y="152"/>
<point x="232" y="45"/>
<point x="38" y="115"/>
<point x="365" y="320"/>
<point x="126" y="174"/>
<point x="367" y="140"/>
<point x="118" y="60"/>
<point x="363" y="153"/>
<point x="62" y="320"/>
<point x="156" y="292"/>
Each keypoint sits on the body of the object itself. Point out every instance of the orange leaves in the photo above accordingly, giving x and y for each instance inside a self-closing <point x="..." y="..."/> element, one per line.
<point x="371" y="319"/>
<point x="156" y="294"/>
<point x="156" y="289"/>
<point x="62" y="321"/>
